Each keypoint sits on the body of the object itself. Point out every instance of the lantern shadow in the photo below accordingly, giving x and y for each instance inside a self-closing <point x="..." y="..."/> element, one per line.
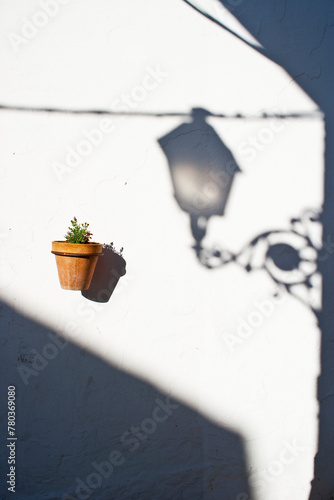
<point x="79" y="410"/>
<point x="202" y="169"/>
<point x="300" y="42"/>
<point x="109" y="269"/>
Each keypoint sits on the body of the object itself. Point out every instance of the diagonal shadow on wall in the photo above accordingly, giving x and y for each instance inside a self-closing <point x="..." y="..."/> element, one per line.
<point x="98" y="432"/>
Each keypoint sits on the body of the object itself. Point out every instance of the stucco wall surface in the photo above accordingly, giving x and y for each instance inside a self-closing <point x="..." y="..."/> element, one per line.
<point x="197" y="378"/>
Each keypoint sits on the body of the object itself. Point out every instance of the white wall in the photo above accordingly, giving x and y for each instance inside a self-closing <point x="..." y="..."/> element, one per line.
<point x="166" y="323"/>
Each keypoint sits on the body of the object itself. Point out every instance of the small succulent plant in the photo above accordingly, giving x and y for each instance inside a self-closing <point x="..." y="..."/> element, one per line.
<point x="78" y="233"/>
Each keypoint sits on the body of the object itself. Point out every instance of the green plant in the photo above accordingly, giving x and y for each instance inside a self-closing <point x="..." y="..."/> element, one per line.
<point x="78" y="233"/>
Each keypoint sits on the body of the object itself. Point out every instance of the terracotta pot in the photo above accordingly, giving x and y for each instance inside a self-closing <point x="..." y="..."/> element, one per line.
<point x="76" y="263"/>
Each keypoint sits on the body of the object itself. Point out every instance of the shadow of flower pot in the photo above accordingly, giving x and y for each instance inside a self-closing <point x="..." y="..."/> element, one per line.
<point x="109" y="269"/>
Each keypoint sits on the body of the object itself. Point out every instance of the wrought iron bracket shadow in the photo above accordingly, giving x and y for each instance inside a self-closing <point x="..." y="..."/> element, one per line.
<point x="289" y="256"/>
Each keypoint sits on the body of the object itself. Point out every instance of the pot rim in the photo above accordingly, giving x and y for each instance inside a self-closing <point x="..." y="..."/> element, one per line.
<point x="64" y="248"/>
<point x="68" y="243"/>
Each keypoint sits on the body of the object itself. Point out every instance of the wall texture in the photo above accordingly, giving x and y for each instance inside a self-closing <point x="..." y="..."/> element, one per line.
<point x="195" y="377"/>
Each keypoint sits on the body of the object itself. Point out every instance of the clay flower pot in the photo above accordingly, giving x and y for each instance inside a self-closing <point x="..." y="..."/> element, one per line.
<point x="76" y="263"/>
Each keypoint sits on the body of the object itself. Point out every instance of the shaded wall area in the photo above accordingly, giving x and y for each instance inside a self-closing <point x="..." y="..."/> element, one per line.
<point x="97" y="432"/>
